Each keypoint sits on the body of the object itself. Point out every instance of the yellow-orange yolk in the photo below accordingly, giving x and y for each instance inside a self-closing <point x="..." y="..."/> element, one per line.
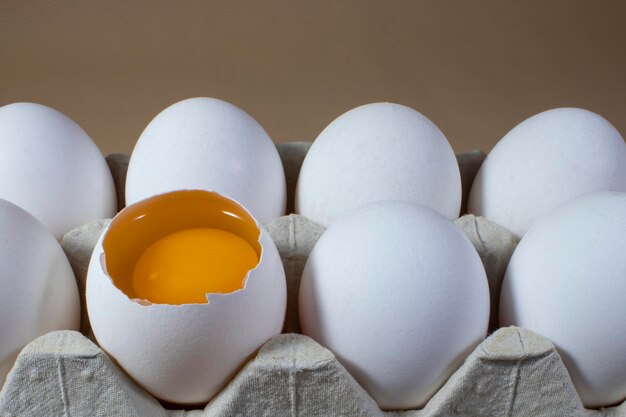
<point x="184" y="266"/>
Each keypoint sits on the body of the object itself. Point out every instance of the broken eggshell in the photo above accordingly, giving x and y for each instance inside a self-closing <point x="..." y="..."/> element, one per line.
<point x="184" y="353"/>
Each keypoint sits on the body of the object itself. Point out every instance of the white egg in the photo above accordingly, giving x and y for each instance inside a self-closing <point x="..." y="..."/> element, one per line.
<point x="566" y="282"/>
<point x="375" y="152"/>
<point x="183" y="353"/>
<point x="209" y="144"/>
<point x="51" y="168"/>
<point x="544" y="161"/>
<point x="39" y="292"/>
<point x="399" y="294"/>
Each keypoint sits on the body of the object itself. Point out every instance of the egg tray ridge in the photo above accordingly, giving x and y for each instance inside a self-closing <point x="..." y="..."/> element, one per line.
<point x="514" y="372"/>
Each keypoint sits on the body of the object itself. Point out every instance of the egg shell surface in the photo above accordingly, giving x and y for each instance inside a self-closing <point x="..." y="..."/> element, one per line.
<point x="375" y="152"/>
<point x="399" y="295"/>
<point x="566" y="282"/>
<point x="544" y="161"/>
<point x="209" y="144"/>
<point x="51" y="168"/>
<point x="186" y="353"/>
<point x="39" y="292"/>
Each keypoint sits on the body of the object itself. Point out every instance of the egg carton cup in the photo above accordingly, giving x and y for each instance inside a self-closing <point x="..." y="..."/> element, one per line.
<point x="514" y="372"/>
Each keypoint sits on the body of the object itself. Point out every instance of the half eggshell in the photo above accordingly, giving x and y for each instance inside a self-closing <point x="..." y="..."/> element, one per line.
<point x="185" y="353"/>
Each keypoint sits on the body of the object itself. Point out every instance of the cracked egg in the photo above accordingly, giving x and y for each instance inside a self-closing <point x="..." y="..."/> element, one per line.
<point x="182" y="289"/>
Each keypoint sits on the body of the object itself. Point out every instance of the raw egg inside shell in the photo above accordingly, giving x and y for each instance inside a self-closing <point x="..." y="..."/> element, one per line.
<point x="182" y="289"/>
<point x="178" y="247"/>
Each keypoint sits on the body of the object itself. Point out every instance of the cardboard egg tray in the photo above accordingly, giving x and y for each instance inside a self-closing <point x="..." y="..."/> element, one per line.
<point x="514" y="372"/>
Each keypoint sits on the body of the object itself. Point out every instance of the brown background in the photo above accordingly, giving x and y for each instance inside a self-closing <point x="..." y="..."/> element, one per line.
<point x="475" y="68"/>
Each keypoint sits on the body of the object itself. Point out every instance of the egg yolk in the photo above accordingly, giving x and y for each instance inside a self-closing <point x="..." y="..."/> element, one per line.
<point x="184" y="266"/>
<point x="176" y="247"/>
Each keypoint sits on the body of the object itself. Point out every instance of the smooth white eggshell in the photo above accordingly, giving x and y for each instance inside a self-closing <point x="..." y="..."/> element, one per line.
<point x="38" y="290"/>
<point x="544" y="161"/>
<point x="186" y="353"/>
<point x="375" y="152"/>
<point x="51" y="168"/>
<point x="398" y="293"/>
<point x="209" y="144"/>
<point x="566" y="282"/>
